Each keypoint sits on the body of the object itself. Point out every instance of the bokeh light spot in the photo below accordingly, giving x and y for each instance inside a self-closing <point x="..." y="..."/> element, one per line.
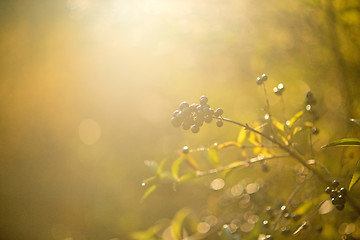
<point x="217" y="184"/>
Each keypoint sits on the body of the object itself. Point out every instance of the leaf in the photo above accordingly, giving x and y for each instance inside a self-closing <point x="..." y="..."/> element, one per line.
<point x="185" y="177"/>
<point x="175" y="167"/>
<point x="213" y="157"/>
<point x="228" y="144"/>
<point x="148" y="234"/>
<point x="356" y="176"/>
<point x="295" y="118"/>
<point x="159" y="169"/>
<point x="355" y="121"/>
<point x="177" y="223"/>
<point x="191" y="161"/>
<point x="344" y="142"/>
<point x="148" y="192"/>
<point x="242" y="136"/>
<point x="252" y="139"/>
<point x="226" y="233"/>
<point x="278" y="125"/>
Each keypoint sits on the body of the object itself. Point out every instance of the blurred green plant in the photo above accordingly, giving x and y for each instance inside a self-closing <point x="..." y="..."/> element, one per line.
<point x="257" y="208"/>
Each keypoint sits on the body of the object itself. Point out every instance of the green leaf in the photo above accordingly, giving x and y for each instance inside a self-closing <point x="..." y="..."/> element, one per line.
<point x="226" y="233"/>
<point x="178" y="222"/>
<point x="295" y="118"/>
<point x="191" y="161"/>
<point x="176" y="166"/>
<point x="278" y="125"/>
<point x="344" y="142"/>
<point x="213" y="157"/>
<point x="242" y="135"/>
<point x="148" y="192"/>
<point x="159" y="169"/>
<point x="355" y="121"/>
<point x="356" y="176"/>
<point x="185" y="177"/>
<point x="149" y="234"/>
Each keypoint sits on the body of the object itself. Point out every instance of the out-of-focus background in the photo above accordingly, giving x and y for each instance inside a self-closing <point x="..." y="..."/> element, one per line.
<point x="87" y="88"/>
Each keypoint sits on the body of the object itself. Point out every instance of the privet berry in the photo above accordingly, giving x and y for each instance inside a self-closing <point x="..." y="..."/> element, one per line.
<point x="219" y="123"/>
<point x="185" y="150"/>
<point x="262" y="79"/>
<point x="337" y="195"/>
<point x="279" y="89"/>
<point x="193" y="116"/>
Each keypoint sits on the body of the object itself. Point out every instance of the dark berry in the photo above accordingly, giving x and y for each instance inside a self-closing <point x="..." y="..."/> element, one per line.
<point x="333" y="193"/>
<point x="210" y="112"/>
<point x="341" y="199"/>
<point x="203" y="100"/>
<point x="335" y="201"/>
<point x="276" y="91"/>
<point x="186" y="111"/>
<point x="269" y="210"/>
<point x="340" y="207"/>
<point x="343" y="191"/>
<point x="328" y="190"/>
<point x="287" y="215"/>
<point x="266" y="223"/>
<point x="315" y="131"/>
<point x="219" y="123"/>
<point x="208" y="119"/>
<point x="195" y="128"/>
<point x="283" y="209"/>
<point x="176" y="122"/>
<point x="319" y="229"/>
<point x="335" y="183"/>
<point x="218" y="112"/>
<point x="183" y="105"/>
<point x="185" y="150"/>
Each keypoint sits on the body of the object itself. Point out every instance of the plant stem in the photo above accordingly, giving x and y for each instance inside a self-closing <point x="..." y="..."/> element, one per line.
<point x="283" y="147"/>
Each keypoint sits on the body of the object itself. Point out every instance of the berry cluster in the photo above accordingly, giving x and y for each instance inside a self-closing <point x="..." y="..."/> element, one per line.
<point x="193" y="116"/>
<point x="337" y="195"/>
<point x="262" y="79"/>
<point x="279" y="89"/>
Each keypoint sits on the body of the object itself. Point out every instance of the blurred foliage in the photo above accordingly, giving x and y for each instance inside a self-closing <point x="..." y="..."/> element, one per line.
<point x="87" y="88"/>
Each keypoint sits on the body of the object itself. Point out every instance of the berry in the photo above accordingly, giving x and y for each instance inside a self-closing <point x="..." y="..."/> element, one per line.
<point x="195" y="128"/>
<point x="199" y="120"/>
<point x="266" y="223"/>
<point x="319" y="228"/>
<point x="310" y="99"/>
<point x="283" y="209"/>
<point x="340" y="207"/>
<point x="203" y="100"/>
<point x="219" y="123"/>
<point x="295" y="216"/>
<point x="218" y="112"/>
<point x="208" y="119"/>
<point x="343" y="191"/>
<point x="341" y="199"/>
<point x="315" y="131"/>
<point x="328" y="190"/>
<point x="333" y="193"/>
<point x="186" y="125"/>
<point x="183" y="105"/>
<point x="258" y="81"/>
<point x="185" y="150"/>
<point x="264" y="167"/>
<point x="335" y="183"/>
<point x="175" y="113"/>
<point x="176" y="122"/>
<point x="264" y="77"/>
